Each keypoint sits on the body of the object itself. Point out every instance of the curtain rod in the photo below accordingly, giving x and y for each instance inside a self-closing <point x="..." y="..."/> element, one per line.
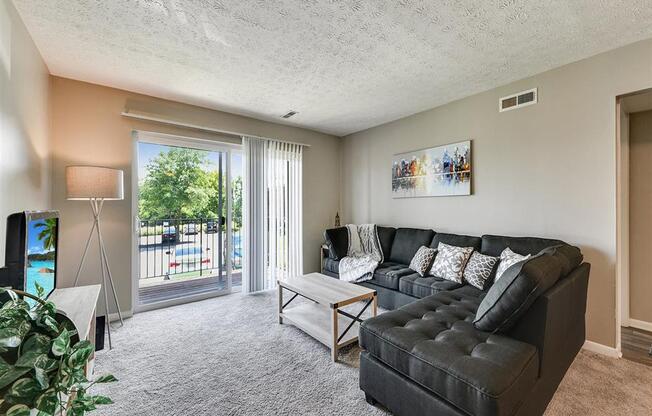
<point x="140" y="116"/>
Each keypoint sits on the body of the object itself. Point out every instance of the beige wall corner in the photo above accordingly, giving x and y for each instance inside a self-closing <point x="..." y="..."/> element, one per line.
<point x="24" y="122"/>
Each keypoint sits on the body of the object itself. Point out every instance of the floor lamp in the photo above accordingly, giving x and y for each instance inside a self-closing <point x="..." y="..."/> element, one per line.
<point x="97" y="184"/>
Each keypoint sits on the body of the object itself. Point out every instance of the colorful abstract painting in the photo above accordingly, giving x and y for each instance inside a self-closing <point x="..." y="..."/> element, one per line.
<point x="438" y="171"/>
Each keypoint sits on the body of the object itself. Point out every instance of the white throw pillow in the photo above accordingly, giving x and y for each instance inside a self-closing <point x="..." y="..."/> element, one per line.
<point x="507" y="259"/>
<point x="450" y="262"/>
<point x="422" y="260"/>
<point x="478" y="269"/>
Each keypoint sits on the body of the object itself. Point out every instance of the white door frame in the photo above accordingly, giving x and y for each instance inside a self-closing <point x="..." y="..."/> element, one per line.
<point x="179" y="141"/>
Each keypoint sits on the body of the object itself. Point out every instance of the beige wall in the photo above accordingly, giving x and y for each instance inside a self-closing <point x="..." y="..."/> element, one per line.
<point x="545" y="170"/>
<point x="24" y="122"/>
<point x="640" y="211"/>
<point x="88" y="129"/>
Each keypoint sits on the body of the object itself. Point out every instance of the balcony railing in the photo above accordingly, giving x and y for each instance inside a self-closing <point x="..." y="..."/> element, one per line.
<point x="194" y="247"/>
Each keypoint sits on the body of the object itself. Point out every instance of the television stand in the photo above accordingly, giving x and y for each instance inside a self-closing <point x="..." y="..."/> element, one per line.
<point x="79" y="304"/>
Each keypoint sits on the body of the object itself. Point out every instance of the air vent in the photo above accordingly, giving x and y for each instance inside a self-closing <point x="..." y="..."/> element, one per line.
<point x="289" y="114"/>
<point x="518" y="100"/>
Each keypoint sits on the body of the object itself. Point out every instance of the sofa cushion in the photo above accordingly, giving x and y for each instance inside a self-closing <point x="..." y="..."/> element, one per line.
<point x="420" y="287"/>
<point x="337" y="240"/>
<point x="493" y="245"/>
<point x="422" y="260"/>
<point x="433" y="342"/>
<point x="450" y="262"/>
<point x="569" y="257"/>
<point x="407" y="241"/>
<point x="332" y="265"/>
<point x="513" y="294"/>
<point x="388" y="274"/>
<point x="479" y="269"/>
<point x="456" y="240"/>
<point x="386" y="237"/>
<point x="507" y="259"/>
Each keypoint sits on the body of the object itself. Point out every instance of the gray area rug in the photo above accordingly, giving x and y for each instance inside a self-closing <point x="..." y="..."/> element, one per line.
<point x="229" y="356"/>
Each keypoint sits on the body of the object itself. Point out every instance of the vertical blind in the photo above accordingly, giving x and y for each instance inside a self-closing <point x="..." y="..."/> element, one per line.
<point x="273" y="212"/>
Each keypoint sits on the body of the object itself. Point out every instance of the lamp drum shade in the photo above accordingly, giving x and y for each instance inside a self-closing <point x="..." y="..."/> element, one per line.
<point x="94" y="182"/>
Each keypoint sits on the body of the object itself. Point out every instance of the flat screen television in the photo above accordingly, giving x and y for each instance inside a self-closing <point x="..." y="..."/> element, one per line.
<point x="31" y="251"/>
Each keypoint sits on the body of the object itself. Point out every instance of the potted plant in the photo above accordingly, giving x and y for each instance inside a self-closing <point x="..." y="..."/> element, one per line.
<point x="42" y="362"/>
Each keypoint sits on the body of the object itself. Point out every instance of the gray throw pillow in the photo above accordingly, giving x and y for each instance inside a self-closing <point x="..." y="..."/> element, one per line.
<point x="513" y="294"/>
<point x="450" y="262"/>
<point x="422" y="260"/>
<point x="479" y="268"/>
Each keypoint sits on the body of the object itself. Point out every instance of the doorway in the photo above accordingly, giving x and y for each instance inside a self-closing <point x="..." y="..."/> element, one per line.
<point x="188" y="225"/>
<point x="634" y="132"/>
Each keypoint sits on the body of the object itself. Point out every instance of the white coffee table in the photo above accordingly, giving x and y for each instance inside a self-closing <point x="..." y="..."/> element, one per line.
<point x="323" y="317"/>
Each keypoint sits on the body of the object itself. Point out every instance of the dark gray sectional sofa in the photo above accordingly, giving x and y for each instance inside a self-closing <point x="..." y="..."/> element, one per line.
<point x="426" y="356"/>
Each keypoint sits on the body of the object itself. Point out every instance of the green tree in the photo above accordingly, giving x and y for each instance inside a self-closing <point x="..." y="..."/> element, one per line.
<point x="48" y="233"/>
<point x="181" y="185"/>
<point x="176" y="185"/>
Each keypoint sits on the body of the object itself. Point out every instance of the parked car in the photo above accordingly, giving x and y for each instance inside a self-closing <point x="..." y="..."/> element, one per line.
<point x="190" y="229"/>
<point x="189" y="257"/>
<point x="169" y="235"/>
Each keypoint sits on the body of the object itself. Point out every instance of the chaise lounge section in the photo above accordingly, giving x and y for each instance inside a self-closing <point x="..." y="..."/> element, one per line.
<point x="426" y="355"/>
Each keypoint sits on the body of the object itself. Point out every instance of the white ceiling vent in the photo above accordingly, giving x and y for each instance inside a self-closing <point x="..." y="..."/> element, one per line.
<point x="518" y="100"/>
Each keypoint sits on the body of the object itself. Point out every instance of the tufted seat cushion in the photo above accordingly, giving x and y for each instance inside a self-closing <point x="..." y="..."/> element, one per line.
<point x="420" y="287"/>
<point x="388" y="274"/>
<point x="433" y="342"/>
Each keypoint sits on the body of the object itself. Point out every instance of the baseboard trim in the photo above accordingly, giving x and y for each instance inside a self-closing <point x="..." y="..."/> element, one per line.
<point x="115" y="317"/>
<point x="602" y="349"/>
<point x="635" y="323"/>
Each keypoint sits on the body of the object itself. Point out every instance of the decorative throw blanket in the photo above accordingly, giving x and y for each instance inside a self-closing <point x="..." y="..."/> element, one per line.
<point x="364" y="253"/>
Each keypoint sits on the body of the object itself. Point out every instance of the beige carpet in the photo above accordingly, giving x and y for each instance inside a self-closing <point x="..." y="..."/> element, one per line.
<point x="229" y="356"/>
<point x="599" y="385"/>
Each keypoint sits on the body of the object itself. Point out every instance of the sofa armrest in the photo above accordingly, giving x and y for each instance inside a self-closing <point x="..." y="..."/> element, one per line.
<point x="555" y="323"/>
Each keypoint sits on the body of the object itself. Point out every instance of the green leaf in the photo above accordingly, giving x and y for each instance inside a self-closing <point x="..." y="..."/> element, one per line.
<point x="107" y="378"/>
<point x="102" y="400"/>
<point x="28" y="359"/>
<point x="18" y="410"/>
<point x="42" y="378"/>
<point x="46" y="363"/>
<point x="24" y="389"/>
<point x="40" y="292"/>
<point x="37" y="342"/>
<point x="81" y="353"/>
<point x="10" y="337"/>
<point x="61" y="344"/>
<point x="47" y="402"/>
<point x="10" y="375"/>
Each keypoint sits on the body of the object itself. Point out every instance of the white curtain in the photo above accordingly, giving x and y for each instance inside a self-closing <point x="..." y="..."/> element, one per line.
<point x="273" y="212"/>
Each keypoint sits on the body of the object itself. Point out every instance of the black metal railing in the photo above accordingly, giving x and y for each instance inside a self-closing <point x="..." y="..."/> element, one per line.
<point x="194" y="246"/>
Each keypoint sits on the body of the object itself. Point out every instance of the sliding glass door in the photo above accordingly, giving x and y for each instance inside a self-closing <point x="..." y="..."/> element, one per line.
<point x="189" y="209"/>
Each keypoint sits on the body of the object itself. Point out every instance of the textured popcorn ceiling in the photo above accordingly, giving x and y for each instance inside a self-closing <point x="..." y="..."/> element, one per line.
<point x="343" y="65"/>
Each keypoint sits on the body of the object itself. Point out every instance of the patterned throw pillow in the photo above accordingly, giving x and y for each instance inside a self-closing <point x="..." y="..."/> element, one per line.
<point x="422" y="260"/>
<point x="478" y="269"/>
<point x="450" y="261"/>
<point x="507" y="259"/>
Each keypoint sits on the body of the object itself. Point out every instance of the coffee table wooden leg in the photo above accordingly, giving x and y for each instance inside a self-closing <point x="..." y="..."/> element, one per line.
<point x="374" y="305"/>
<point x="280" y="304"/>
<point x="334" y="322"/>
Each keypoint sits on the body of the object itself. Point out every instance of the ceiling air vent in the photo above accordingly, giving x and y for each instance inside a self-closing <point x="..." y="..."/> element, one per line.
<point x="518" y="100"/>
<point x="289" y="114"/>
